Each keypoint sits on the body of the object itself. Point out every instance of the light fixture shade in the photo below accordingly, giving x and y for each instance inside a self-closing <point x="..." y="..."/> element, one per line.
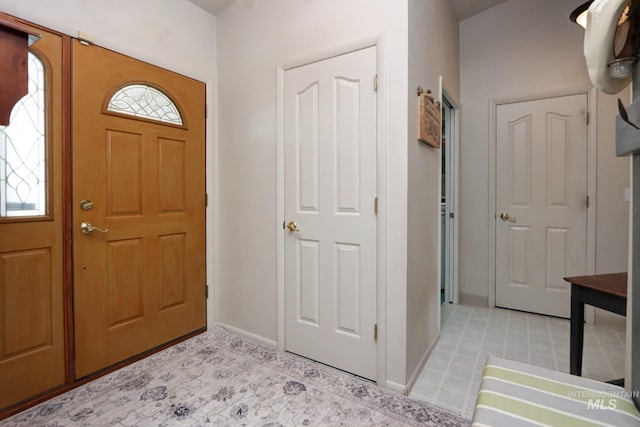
<point x="579" y="15"/>
<point x="621" y="68"/>
<point x="599" y="41"/>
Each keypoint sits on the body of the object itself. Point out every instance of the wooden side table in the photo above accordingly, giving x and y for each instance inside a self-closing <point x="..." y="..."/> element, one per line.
<point x="605" y="291"/>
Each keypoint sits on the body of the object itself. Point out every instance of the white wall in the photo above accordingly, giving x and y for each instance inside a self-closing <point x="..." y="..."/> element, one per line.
<point x="254" y="38"/>
<point x="519" y="48"/>
<point x="433" y="52"/>
<point x="154" y="31"/>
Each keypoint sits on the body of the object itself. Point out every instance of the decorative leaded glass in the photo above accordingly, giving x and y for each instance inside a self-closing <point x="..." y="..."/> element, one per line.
<point x="145" y="101"/>
<point x="23" y="172"/>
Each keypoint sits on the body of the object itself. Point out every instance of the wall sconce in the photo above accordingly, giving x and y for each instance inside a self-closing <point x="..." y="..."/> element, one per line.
<point x="612" y="24"/>
<point x="579" y="15"/>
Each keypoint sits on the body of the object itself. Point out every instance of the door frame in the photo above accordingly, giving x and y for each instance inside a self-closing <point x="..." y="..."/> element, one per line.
<point x="591" y="94"/>
<point x="379" y="43"/>
<point x="452" y="162"/>
<point x="67" y="225"/>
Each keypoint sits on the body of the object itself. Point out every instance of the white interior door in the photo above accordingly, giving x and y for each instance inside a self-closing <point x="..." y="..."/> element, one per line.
<point x="541" y="202"/>
<point x="330" y="190"/>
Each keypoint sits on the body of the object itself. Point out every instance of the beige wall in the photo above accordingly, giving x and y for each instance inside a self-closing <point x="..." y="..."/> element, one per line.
<point x="249" y="40"/>
<point x="528" y="48"/>
<point x="129" y="28"/>
<point x="254" y="38"/>
<point x="433" y="52"/>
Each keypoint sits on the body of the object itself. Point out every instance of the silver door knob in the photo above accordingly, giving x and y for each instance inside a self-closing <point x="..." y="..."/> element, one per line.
<point x="87" y="228"/>
<point x="506" y="217"/>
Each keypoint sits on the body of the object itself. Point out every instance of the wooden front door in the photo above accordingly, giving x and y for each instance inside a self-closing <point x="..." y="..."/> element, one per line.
<point x="138" y="206"/>
<point x="31" y="244"/>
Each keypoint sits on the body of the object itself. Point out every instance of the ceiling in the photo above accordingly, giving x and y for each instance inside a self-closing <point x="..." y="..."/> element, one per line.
<point x="462" y="8"/>
<point x="466" y="8"/>
<point x="212" y="6"/>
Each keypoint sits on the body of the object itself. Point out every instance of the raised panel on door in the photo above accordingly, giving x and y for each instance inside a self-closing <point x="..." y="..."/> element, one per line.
<point x="347" y="140"/>
<point x="541" y="158"/>
<point x="142" y="167"/>
<point x="25" y="298"/>
<point x="125" y="289"/>
<point x="123" y="156"/>
<point x="32" y="346"/>
<point x="330" y="188"/>
<point x="348" y="284"/>
<point x="306" y="143"/>
<point x="558" y="164"/>
<point x="518" y="146"/>
<point x="308" y="290"/>
<point x="173" y="277"/>
<point x="557" y="258"/>
<point x="172" y="175"/>
<point x="518" y="252"/>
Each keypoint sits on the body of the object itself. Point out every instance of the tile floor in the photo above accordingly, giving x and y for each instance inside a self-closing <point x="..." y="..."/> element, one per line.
<point x="451" y="376"/>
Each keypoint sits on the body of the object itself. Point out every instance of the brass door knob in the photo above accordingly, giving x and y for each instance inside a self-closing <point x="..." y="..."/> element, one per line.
<point x="87" y="228"/>
<point x="292" y="226"/>
<point x="506" y="217"/>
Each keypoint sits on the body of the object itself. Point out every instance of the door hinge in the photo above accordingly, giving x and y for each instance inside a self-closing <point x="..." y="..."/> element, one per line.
<point x="588" y="117"/>
<point x="375" y="332"/>
<point x="375" y="205"/>
<point x="206" y="291"/>
<point x="206" y="200"/>
<point x="587" y="202"/>
<point x="206" y="111"/>
<point x="451" y="215"/>
<point x="375" y="82"/>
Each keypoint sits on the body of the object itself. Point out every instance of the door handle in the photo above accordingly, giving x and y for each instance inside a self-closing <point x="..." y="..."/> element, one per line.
<point x="87" y="228"/>
<point x="506" y="217"/>
<point x="292" y="226"/>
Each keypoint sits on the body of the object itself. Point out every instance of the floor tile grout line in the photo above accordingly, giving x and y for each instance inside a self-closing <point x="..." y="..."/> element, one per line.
<point x="449" y="364"/>
<point x="464" y="315"/>
<point x="476" y="365"/>
<point x="528" y="328"/>
<point x="553" y="346"/>
<point x="603" y="353"/>
<point x="440" y="384"/>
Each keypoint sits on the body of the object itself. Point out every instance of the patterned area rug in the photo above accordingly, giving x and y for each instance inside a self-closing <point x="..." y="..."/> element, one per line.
<point x="220" y="379"/>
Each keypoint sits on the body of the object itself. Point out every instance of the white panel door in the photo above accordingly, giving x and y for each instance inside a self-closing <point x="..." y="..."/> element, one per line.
<point x="541" y="202"/>
<point x="330" y="188"/>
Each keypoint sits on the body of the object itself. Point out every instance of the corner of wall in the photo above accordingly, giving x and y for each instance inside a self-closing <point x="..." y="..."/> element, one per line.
<point x="423" y="360"/>
<point x="470" y="299"/>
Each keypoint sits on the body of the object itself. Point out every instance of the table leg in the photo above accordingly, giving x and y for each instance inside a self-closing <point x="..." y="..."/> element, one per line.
<point x="576" y="340"/>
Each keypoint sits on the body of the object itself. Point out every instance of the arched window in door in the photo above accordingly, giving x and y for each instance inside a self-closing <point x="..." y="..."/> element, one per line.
<point x="23" y="151"/>
<point x="144" y="101"/>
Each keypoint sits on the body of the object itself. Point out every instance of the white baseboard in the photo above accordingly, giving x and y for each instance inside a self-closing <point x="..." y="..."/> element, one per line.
<point x="478" y="300"/>
<point x="609" y="319"/>
<point x="247" y="335"/>
<point x="398" y="388"/>
<point x="423" y="360"/>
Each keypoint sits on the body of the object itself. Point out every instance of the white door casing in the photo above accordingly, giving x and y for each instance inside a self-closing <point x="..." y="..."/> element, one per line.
<point x="450" y="188"/>
<point x="330" y="177"/>
<point x="541" y="183"/>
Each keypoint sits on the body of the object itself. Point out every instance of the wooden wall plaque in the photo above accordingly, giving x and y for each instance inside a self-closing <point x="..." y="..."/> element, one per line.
<point x="429" y="119"/>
